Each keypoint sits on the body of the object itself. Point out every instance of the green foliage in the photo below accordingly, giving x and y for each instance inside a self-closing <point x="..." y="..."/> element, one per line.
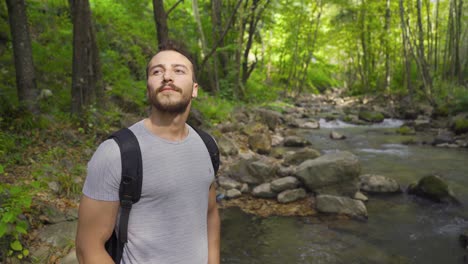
<point x="461" y="125"/>
<point x="257" y="90"/>
<point x="370" y="116"/>
<point x="214" y="109"/>
<point x="405" y="130"/>
<point x="16" y="200"/>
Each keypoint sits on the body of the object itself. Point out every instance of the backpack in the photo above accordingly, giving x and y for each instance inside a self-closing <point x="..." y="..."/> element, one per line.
<point x="131" y="181"/>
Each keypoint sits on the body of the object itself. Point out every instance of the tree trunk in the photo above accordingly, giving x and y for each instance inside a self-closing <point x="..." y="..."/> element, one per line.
<point x="217" y="26"/>
<point x="387" y="46"/>
<point x="406" y="51"/>
<point x="85" y="58"/>
<point x="160" y="17"/>
<point x="24" y="66"/>
<point x="422" y="62"/>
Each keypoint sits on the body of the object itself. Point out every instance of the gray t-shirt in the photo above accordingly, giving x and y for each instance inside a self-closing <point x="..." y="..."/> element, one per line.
<point x="169" y="223"/>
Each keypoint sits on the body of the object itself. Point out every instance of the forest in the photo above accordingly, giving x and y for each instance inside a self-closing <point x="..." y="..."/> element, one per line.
<point x="80" y="66"/>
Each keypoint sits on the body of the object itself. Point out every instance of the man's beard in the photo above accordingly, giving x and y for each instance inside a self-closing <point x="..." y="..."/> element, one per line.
<point x="166" y="105"/>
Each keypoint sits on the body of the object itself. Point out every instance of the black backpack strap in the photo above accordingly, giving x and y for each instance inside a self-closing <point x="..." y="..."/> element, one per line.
<point x="212" y="147"/>
<point x="132" y="176"/>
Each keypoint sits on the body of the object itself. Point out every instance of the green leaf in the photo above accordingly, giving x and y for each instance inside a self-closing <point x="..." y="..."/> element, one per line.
<point x="21" y="229"/>
<point x="35" y="184"/>
<point x="3" y="228"/>
<point x="8" y="217"/>
<point x="2" y="170"/>
<point x="15" y="190"/>
<point x="16" y="245"/>
<point x="25" y="252"/>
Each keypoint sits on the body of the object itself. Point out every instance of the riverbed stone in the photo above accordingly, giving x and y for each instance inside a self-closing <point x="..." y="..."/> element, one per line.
<point x="254" y="128"/>
<point x="59" y="235"/>
<point x="244" y="188"/>
<point x="297" y="157"/>
<point x="227" y="147"/>
<point x="276" y="140"/>
<point x="271" y="118"/>
<point x="378" y="184"/>
<point x="239" y="170"/>
<point x="361" y="197"/>
<point x="311" y="124"/>
<point x="286" y="171"/>
<point x="233" y="193"/>
<point x="288" y="196"/>
<point x="337" y="136"/>
<point x="263" y="191"/>
<point x="284" y="183"/>
<point x="422" y="123"/>
<point x="228" y="183"/>
<point x="260" y="143"/>
<point x="434" y="188"/>
<point x="340" y="205"/>
<point x="295" y="141"/>
<point x="332" y="173"/>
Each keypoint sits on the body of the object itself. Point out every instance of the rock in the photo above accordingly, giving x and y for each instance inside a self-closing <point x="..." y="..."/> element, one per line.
<point x="40" y="254"/>
<point x="276" y="140"/>
<point x="228" y="183"/>
<point x="263" y="191"/>
<point x="406" y="130"/>
<point x="285" y="183"/>
<point x="239" y="171"/>
<point x="265" y="171"/>
<point x="289" y="196"/>
<point x="244" y="188"/>
<point x="71" y="214"/>
<point x="70" y="258"/>
<point x="228" y="127"/>
<point x="336" y="135"/>
<point x="295" y="141"/>
<point x="361" y="197"/>
<point x="422" y="123"/>
<point x="240" y="115"/>
<point x="233" y="193"/>
<point x="260" y="143"/>
<point x="464" y="239"/>
<point x="333" y="173"/>
<point x="286" y="171"/>
<point x="296" y="158"/>
<point x="291" y="122"/>
<point x="269" y="117"/>
<point x="278" y="152"/>
<point x="52" y="215"/>
<point x="340" y="205"/>
<point x="378" y="184"/>
<point x="227" y="147"/>
<point x="434" y="188"/>
<point x="59" y="235"/>
<point x="310" y="124"/>
<point x="370" y="116"/>
<point x="54" y="186"/>
<point x="255" y="128"/>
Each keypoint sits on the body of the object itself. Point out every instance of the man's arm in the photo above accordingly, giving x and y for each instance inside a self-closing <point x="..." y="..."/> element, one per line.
<point x="96" y="223"/>
<point x="214" y="226"/>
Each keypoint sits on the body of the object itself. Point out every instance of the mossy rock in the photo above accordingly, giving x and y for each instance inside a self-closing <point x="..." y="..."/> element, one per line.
<point x="434" y="188"/>
<point x="405" y="130"/>
<point x="370" y="116"/>
<point x="460" y="126"/>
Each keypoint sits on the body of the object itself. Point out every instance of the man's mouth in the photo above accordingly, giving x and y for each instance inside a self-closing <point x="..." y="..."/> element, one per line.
<point x="168" y="87"/>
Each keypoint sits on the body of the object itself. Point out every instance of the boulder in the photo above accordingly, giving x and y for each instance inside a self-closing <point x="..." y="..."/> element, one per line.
<point x="233" y="193"/>
<point x="297" y="157"/>
<point x="255" y="128"/>
<point x="295" y="141"/>
<point x="260" y="143"/>
<point x="263" y="191"/>
<point x="284" y="183"/>
<point x="337" y="136"/>
<point x="276" y="140"/>
<point x="59" y="235"/>
<point x="289" y="196"/>
<point x="371" y="116"/>
<point x="333" y="173"/>
<point x="228" y="183"/>
<point x="244" y="188"/>
<point x="378" y="184"/>
<point x="263" y="170"/>
<point x="361" y="197"/>
<point x="278" y="152"/>
<point x="340" y="205"/>
<point x="239" y="171"/>
<point x="434" y="188"/>
<point x="268" y="117"/>
<point x="286" y="171"/>
<point x="227" y="147"/>
<point x="310" y="124"/>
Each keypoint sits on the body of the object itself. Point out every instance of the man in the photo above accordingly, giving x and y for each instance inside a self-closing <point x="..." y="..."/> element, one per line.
<point x="176" y="219"/>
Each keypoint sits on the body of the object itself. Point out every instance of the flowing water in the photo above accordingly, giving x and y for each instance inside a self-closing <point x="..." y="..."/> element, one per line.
<point x="400" y="228"/>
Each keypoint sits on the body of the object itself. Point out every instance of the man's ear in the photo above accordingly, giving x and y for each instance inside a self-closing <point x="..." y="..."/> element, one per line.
<point x="195" y="90"/>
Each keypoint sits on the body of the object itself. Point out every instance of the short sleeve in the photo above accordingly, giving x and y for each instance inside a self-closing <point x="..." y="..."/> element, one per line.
<point x="104" y="173"/>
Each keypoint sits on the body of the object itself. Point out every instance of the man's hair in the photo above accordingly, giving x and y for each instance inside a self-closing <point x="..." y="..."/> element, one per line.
<point x="180" y="48"/>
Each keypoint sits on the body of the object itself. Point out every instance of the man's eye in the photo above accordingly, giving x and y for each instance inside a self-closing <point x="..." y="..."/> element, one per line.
<point x="179" y="71"/>
<point x="157" y="72"/>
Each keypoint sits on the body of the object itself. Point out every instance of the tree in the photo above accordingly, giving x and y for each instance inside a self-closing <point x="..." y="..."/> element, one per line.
<point x="86" y="67"/>
<point x="25" y="73"/>
<point x="160" y="17"/>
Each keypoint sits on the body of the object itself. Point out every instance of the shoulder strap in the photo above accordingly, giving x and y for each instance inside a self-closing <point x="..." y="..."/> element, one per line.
<point x="132" y="176"/>
<point x="212" y="147"/>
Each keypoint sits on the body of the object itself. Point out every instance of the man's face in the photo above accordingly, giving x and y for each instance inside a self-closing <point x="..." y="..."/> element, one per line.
<point x="170" y="84"/>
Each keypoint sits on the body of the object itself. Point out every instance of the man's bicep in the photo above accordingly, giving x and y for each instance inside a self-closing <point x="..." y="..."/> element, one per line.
<point x="96" y="220"/>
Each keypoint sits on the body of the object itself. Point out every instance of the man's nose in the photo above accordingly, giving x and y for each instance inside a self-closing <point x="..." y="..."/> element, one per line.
<point x="167" y="76"/>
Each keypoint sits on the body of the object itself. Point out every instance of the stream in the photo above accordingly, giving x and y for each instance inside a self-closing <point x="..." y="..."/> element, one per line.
<point x="401" y="228"/>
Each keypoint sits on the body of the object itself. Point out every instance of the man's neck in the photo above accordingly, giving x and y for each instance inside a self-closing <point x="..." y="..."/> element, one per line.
<point x="168" y="126"/>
